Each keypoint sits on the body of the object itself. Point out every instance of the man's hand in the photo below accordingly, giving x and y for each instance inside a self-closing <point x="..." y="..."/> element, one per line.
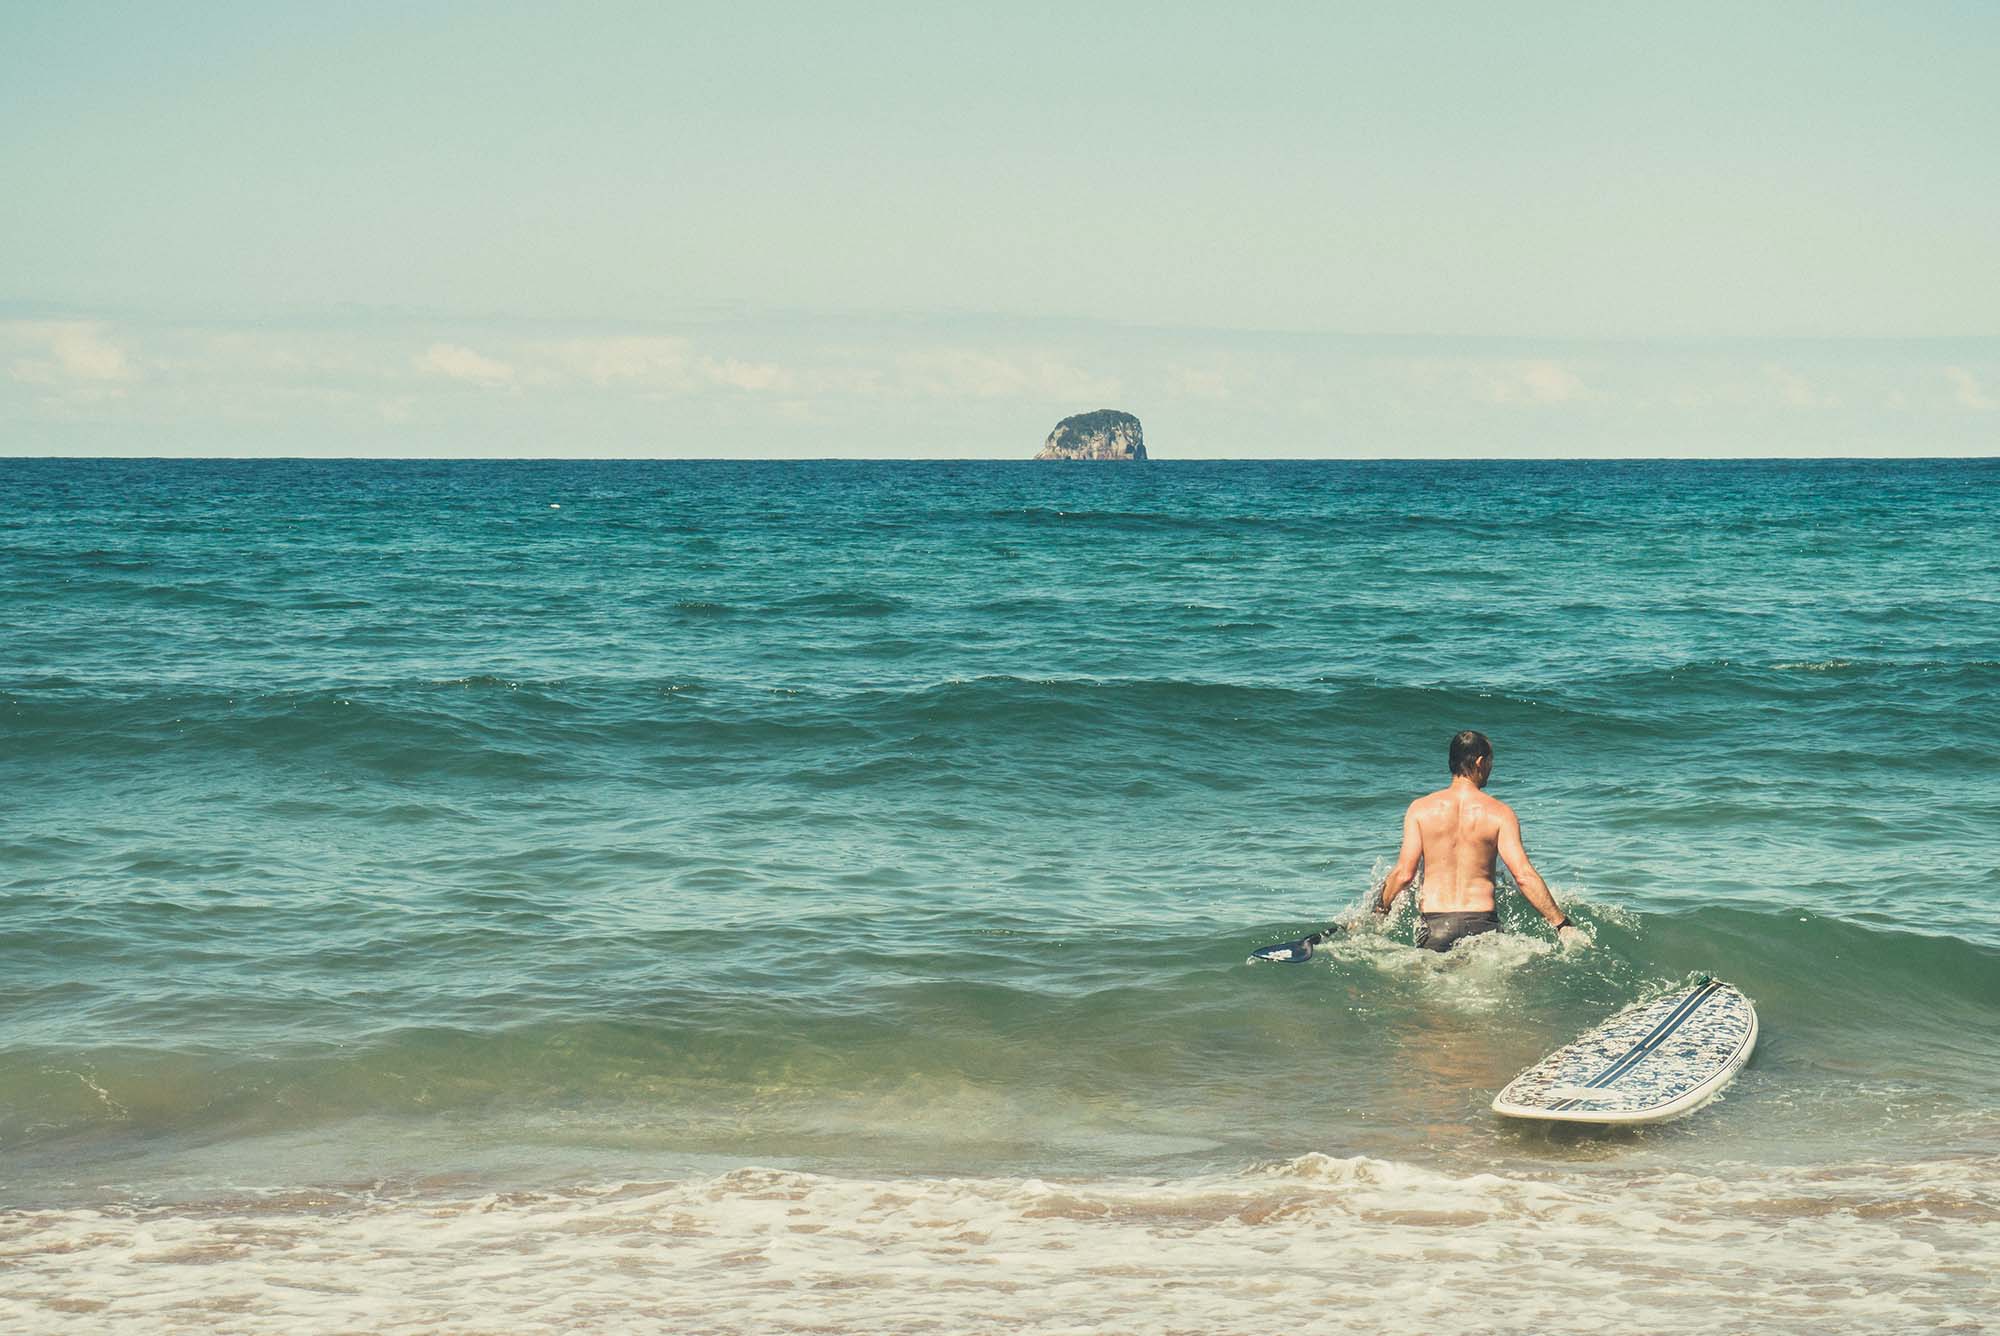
<point x="1571" y="938"/>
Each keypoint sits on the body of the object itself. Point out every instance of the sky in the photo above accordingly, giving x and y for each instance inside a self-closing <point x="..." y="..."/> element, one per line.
<point x="605" y="229"/>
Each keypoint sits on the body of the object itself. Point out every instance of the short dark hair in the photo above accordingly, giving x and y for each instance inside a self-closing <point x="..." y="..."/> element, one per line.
<point x="1468" y="749"/>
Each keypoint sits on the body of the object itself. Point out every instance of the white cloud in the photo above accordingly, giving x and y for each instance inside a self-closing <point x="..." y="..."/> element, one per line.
<point x="661" y="365"/>
<point x="72" y="351"/>
<point x="744" y="375"/>
<point x="1550" y="382"/>
<point x="1195" y="383"/>
<point x="1530" y="382"/>
<point x="460" y="363"/>
<point x="1509" y="381"/>
<point x="1967" y="390"/>
<point x="655" y="362"/>
<point x="266" y="355"/>
<point x="787" y="388"/>
<point x="1796" y="390"/>
<point x="859" y="382"/>
<point x="975" y="374"/>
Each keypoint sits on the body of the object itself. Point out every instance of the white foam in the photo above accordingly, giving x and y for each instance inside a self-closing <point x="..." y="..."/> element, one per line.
<point x="1476" y="974"/>
<point x="1359" y="1244"/>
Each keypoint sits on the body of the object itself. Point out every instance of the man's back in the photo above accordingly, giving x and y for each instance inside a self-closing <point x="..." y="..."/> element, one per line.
<point x="1459" y="829"/>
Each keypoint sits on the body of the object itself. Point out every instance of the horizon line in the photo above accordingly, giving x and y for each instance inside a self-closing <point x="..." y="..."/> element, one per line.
<point x="1001" y="459"/>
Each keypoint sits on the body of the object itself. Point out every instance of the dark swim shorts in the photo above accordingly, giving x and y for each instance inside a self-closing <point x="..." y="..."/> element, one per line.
<point x="1438" y="932"/>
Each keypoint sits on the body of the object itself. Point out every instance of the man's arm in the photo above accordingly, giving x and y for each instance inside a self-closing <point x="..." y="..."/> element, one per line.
<point x="1515" y="855"/>
<point x="1408" y="860"/>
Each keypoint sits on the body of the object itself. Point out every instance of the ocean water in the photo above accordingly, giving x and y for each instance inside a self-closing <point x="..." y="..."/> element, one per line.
<point x="505" y="897"/>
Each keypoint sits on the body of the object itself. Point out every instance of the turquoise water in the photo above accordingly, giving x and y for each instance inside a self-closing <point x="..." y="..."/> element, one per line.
<point x="405" y="832"/>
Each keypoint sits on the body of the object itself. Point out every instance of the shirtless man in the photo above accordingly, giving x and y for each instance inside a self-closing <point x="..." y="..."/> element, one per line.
<point x="1453" y="835"/>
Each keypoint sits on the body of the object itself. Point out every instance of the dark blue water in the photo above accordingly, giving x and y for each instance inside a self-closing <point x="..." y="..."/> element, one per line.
<point x="547" y="823"/>
<point x="503" y="779"/>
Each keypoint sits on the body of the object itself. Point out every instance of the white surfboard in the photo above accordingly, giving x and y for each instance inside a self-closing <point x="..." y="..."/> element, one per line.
<point x="1647" y="1064"/>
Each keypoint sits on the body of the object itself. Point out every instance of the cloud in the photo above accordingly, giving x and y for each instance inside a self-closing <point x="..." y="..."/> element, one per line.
<point x="744" y="375"/>
<point x="1550" y="382"/>
<point x="1531" y="382"/>
<point x="275" y="355"/>
<point x="1188" y="382"/>
<point x="786" y="387"/>
<point x="661" y="363"/>
<point x="73" y="352"/>
<point x="1967" y="390"/>
<point x="968" y="373"/>
<point x="1796" y="390"/>
<point x="461" y="363"/>
<point x="1507" y="381"/>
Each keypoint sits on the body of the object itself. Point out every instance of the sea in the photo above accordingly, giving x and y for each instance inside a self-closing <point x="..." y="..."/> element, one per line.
<point x="814" y="897"/>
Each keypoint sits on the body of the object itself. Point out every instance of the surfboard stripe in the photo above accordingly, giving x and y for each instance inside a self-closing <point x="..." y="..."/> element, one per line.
<point x="1659" y="1035"/>
<point x="1660" y="1032"/>
<point x="1644" y="1048"/>
<point x="1641" y="1050"/>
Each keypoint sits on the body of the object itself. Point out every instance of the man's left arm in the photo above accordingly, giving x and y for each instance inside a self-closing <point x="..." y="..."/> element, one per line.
<point x="1514" y="853"/>
<point x="1408" y="860"/>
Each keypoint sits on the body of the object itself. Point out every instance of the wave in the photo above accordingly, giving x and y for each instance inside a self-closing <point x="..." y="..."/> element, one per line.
<point x="1840" y="1247"/>
<point x="954" y="1034"/>
<point x="843" y="603"/>
<point x="456" y="717"/>
<point x="1609" y="693"/>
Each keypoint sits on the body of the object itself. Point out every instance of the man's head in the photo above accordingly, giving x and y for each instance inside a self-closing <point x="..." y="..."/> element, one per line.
<point x="1471" y="756"/>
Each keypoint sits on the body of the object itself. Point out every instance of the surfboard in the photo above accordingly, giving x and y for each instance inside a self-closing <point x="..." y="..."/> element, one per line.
<point x="1650" y="1062"/>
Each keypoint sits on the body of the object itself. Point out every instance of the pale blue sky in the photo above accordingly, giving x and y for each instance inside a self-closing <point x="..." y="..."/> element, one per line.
<point x="750" y="229"/>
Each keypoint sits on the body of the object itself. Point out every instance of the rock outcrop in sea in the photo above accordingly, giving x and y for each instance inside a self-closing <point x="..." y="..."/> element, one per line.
<point x="1105" y="434"/>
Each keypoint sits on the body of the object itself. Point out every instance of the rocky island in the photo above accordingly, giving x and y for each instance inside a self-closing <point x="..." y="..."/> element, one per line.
<point x="1105" y="434"/>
